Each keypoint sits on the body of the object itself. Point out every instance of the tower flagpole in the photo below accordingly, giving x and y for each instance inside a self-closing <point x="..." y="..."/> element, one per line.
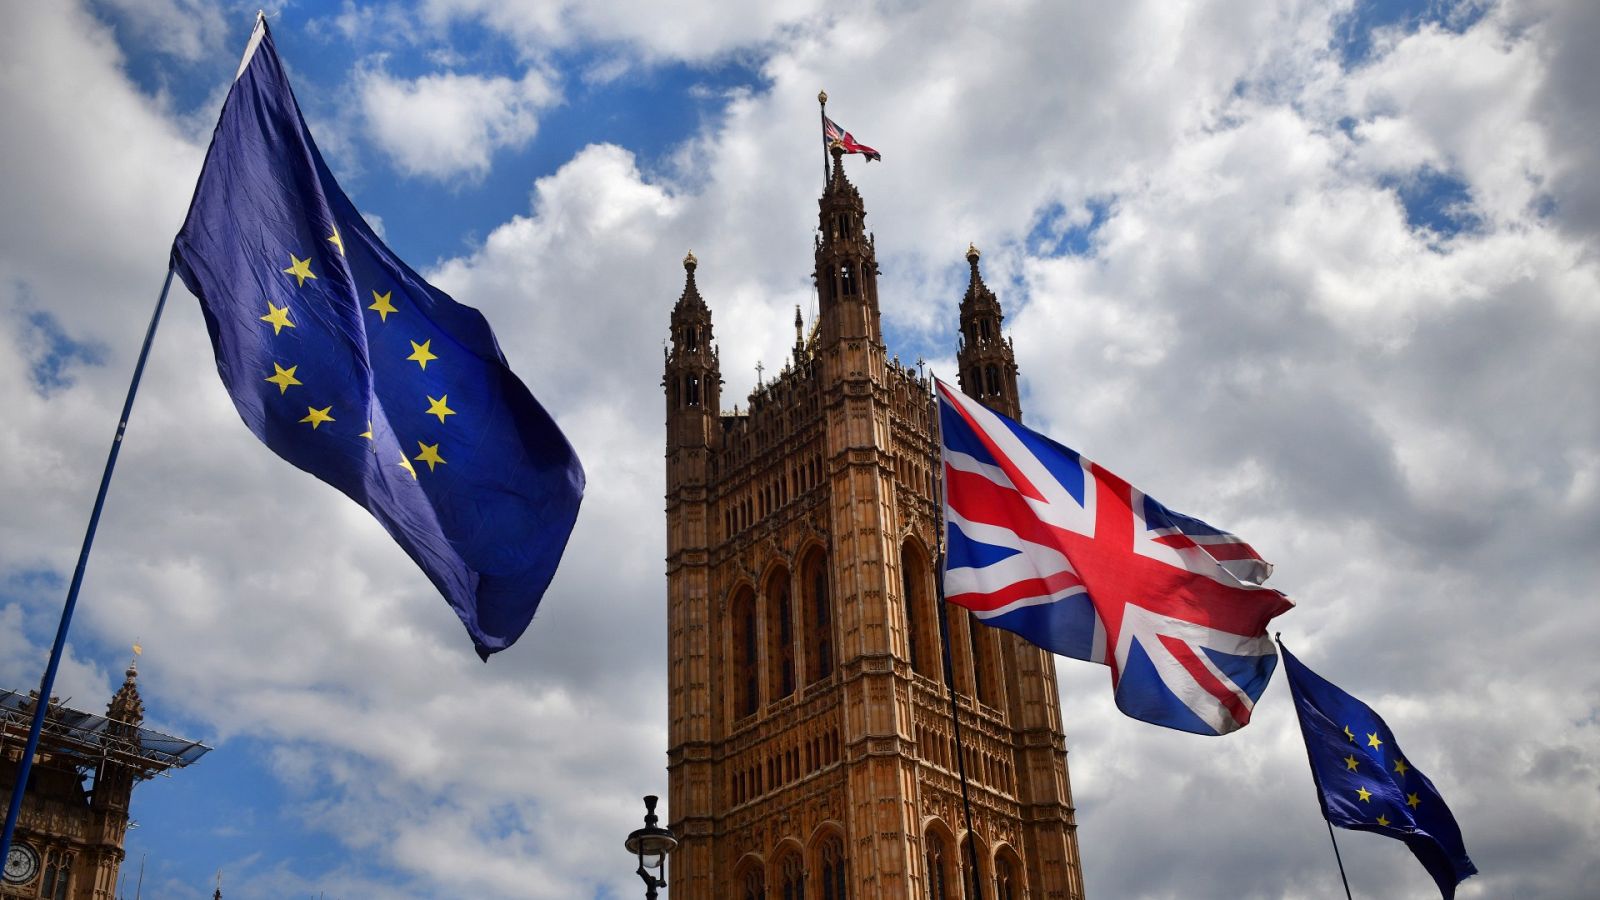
<point x="822" y="115"/>
<point x="949" y="666"/>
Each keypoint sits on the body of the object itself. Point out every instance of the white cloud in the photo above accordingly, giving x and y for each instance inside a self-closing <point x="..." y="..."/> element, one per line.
<point x="1404" y="425"/>
<point x="448" y="126"/>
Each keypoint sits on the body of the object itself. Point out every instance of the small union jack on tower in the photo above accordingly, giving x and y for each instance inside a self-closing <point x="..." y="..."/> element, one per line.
<point x="1051" y="546"/>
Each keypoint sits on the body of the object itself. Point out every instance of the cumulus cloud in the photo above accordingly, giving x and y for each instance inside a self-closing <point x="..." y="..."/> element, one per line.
<point x="1202" y="224"/>
<point x="448" y="125"/>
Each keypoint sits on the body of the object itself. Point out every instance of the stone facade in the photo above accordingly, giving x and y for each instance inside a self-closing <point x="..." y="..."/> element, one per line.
<point x="812" y="745"/>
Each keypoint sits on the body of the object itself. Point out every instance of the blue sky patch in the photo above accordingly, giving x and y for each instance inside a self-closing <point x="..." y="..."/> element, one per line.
<point x="1058" y="231"/>
<point x="52" y="353"/>
<point x="1438" y="201"/>
<point x="1353" y="37"/>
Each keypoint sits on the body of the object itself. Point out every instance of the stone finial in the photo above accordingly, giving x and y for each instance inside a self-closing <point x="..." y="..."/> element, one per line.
<point x="689" y="262"/>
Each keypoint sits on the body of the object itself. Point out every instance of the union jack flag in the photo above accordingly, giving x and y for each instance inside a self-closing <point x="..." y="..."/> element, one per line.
<point x="1051" y="546"/>
<point x="832" y="132"/>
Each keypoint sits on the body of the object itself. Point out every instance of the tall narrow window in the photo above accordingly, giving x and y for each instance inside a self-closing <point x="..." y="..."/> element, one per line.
<point x="973" y="879"/>
<point x="780" y="635"/>
<point x="818" y="612"/>
<point x="1006" y="884"/>
<point x="938" y="869"/>
<point x="692" y="389"/>
<point x="831" y="869"/>
<point x="747" y="691"/>
<point x="847" y="280"/>
<point x="992" y="376"/>
<point x="691" y="338"/>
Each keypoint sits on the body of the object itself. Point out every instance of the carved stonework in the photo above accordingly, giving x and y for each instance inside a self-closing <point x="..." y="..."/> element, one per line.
<point x="802" y="532"/>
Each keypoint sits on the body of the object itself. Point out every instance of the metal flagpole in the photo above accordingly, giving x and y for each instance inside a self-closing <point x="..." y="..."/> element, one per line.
<point x="949" y="666"/>
<point x="822" y="102"/>
<point x="47" y="683"/>
<point x="1337" y="859"/>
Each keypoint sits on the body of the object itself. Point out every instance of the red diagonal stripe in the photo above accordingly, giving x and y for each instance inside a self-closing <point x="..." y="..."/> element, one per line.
<point x="1185" y="655"/>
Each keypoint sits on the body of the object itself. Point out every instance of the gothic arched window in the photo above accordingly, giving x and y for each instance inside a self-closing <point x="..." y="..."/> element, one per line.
<point x="780" y="635"/>
<point x="692" y="389"/>
<point x="830" y="869"/>
<point x="972" y="878"/>
<point x="1007" y="881"/>
<point x="992" y="378"/>
<point x="847" y="280"/>
<point x="818" y="618"/>
<point x="938" y="868"/>
<point x="791" y="878"/>
<point x="746" y="688"/>
<point x="754" y="884"/>
<point x="691" y="338"/>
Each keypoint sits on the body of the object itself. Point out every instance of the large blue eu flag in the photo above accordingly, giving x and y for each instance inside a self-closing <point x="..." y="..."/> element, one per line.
<point x="1364" y="781"/>
<point x="350" y="366"/>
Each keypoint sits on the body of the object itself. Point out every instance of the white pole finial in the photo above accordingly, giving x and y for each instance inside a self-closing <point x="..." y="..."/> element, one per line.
<point x="255" y="41"/>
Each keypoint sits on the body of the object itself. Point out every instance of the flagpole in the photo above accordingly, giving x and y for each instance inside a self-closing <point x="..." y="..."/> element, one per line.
<point x="949" y="663"/>
<point x="1339" y="860"/>
<point x="47" y="683"/>
<point x="822" y="102"/>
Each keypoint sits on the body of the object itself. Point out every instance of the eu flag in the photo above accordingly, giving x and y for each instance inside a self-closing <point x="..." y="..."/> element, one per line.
<point x="348" y="365"/>
<point x="1364" y="781"/>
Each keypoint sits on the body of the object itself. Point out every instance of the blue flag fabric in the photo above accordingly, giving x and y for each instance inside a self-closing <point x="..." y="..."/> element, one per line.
<point x="1364" y="781"/>
<point x="348" y="365"/>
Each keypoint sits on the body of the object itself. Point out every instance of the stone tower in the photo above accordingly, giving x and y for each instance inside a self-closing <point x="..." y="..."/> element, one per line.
<point x="69" y="839"/>
<point x="812" y="747"/>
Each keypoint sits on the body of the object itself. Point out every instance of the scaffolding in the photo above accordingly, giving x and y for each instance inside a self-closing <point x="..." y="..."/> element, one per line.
<point x="88" y="740"/>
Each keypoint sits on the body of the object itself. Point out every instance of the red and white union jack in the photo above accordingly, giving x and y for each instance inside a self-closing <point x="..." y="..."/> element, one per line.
<point x="1045" y="543"/>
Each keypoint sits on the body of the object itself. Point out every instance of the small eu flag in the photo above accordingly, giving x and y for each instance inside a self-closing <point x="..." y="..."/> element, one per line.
<point x="348" y="365"/>
<point x="1366" y="783"/>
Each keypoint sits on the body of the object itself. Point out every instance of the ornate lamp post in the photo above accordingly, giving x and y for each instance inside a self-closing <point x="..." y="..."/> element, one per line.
<point x="651" y="844"/>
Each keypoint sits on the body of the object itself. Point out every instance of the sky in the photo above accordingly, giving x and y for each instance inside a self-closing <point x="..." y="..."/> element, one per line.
<point x="1322" y="273"/>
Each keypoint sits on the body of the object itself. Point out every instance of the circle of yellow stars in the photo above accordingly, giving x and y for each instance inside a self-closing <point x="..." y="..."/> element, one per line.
<point x="1353" y="764"/>
<point x="382" y="303"/>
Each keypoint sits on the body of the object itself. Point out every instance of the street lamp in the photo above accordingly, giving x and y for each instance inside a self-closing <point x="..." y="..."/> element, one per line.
<point x="651" y="844"/>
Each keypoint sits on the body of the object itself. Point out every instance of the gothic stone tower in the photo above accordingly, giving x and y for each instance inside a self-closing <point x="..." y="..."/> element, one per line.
<point x="811" y="740"/>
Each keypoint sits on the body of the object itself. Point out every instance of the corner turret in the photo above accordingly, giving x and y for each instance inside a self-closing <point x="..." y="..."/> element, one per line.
<point x="986" y="362"/>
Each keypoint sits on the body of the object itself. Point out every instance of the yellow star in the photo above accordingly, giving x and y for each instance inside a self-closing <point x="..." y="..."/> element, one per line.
<point x="1384" y="821"/>
<point x="368" y="433"/>
<point x="337" y="241"/>
<point x="406" y="464"/>
<point x="381" y="304"/>
<point x="317" y="416"/>
<point x="1350" y="763"/>
<point x="1365" y="795"/>
<point x="1349" y="735"/>
<point x="300" y="268"/>
<point x="429" y="455"/>
<point x="420" y="354"/>
<point x="1413" y="801"/>
<point x="278" y="317"/>
<point x="283" y="378"/>
<point x="438" y="408"/>
<point x="1372" y="741"/>
<point x="1401" y="767"/>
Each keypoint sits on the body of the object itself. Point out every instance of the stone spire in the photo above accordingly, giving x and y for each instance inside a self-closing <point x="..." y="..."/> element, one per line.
<point x="986" y="362"/>
<point x="126" y="705"/>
